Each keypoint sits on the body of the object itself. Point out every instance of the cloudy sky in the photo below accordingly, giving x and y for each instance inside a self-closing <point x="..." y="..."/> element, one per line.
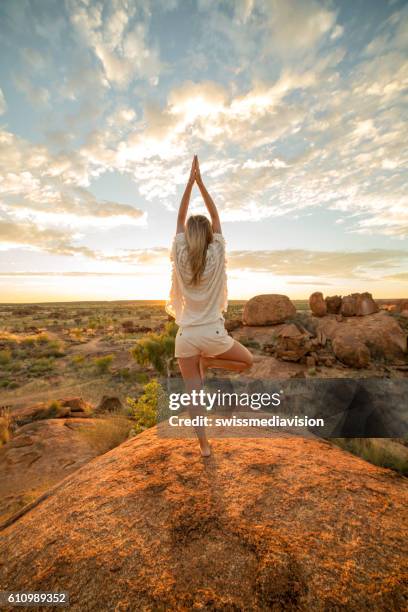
<point x="297" y="110"/>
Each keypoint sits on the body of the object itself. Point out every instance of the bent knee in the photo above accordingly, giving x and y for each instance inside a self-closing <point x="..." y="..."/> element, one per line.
<point x="249" y="360"/>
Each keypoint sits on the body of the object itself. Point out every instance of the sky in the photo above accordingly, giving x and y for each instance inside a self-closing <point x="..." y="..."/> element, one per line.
<point x="297" y="110"/>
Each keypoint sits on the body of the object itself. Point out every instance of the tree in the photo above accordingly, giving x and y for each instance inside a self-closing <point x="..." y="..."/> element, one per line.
<point x="157" y="349"/>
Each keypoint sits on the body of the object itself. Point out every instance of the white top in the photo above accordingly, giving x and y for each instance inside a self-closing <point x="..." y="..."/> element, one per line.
<point x="205" y="302"/>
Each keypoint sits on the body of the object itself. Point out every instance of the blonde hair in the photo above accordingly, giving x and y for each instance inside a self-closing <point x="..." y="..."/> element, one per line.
<point x="199" y="235"/>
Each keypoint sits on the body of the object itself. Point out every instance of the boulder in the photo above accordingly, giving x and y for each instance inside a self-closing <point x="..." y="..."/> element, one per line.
<point x="231" y="324"/>
<point x="150" y="525"/>
<point x="379" y="332"/>
<point x="268" y="309"/>
<point x="333" y="304"/>
<point x="291" y="343"/>
<point x="365" y="304"/>
<point x="350" y="349"/>
<point x="76" y="404"/>
<point x="109" y="404"/>
<point x="317" y="304"/>
<point x="358" y="304"/>
<point x="60" y="409"/>
<point x="348" y="306"/>
<point x="402" y="306"/>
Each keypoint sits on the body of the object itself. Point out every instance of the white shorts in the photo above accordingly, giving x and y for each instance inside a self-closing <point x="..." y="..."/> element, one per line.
<point x="210" y="339"/>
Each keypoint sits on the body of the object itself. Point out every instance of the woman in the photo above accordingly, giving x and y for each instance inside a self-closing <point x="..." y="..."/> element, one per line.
<point x="198" y="297"/>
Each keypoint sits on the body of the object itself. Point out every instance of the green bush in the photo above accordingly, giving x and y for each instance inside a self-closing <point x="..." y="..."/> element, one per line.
<point x="157" y="349"/>
<point x="102" y="364"/>
<point x="41" y="366"/>
<point x="144" y="410"/>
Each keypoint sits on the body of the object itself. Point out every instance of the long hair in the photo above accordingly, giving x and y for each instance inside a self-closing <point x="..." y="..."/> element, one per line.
<point x="199" y="235"/>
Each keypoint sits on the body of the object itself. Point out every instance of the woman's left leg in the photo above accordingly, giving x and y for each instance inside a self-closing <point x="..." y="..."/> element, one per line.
<point x="190" y="371"/>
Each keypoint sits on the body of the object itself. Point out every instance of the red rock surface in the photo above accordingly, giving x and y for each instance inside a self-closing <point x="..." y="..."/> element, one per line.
<point x="268" y="309"/>
<point x="39" y="455"/>
<point x="380" y="333"/>
<point x="264" y="524"/>
<point x="317" y="304"/>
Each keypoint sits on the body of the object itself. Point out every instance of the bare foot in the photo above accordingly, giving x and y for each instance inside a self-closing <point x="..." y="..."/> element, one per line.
<point x="205" y="451"/>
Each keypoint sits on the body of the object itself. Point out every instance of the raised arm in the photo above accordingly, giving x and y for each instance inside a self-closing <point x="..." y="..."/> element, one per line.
<point x="209" y="202"/>
<point x="185" y="200"/>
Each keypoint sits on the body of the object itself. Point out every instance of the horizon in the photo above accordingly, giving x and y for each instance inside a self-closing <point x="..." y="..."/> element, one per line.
<point x="295" y="108"/>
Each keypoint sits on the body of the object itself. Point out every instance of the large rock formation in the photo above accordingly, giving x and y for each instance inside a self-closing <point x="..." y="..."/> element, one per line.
<point x="356" y="341"/>
<point x="40" y="454"/>
<point x="264" y="524"/>
<point x="350" y="349"/>
<point x="268" y="309"/>
<point x="333" y="304"/>
<point x="358" y="304"/>
<point x="317" y="304"/>
<point x="292" y="344"/>
<point x="61" y="408"/>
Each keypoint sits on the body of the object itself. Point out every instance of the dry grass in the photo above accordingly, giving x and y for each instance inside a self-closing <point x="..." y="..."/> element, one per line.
<point x="107" y="432"/>
<point x="383" y="452"/>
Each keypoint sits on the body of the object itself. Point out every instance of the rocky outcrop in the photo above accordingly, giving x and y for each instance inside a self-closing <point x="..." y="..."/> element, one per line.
<point x="333" y="304"/>
<point x="38" y="455"/>
<point x="268" y="309"/>
<point x="264" y="524"/>
<point x="292" y="344"/>
<point x="62" y="408"/>
<point x="358" y="304"/>
<point x="380" y="334"/>
<point x="317" y="304"/>
<point x="351" y="350"/>
<point x="402" y="306"/>
<point x="109" y="404"/>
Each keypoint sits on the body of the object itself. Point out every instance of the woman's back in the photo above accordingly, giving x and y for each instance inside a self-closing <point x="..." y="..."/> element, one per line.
<point x="202" y="303"/>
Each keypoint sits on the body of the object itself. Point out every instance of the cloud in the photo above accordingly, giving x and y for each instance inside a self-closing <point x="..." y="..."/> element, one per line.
<point x="300" y="262"/>
<point x="296" y="27"/>
<point x="49" y="240"/>
<point x="3" y="105"/>
<point x="119" y="41"/>
<point x="35" y="94"/>
<point x="39" y="185"/>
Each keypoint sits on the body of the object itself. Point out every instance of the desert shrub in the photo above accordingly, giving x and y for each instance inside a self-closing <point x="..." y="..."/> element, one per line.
<point x="78" y="360"/>
<point x="54" y="349"/>
<point x="144" y="410"/>
<point x="5" y="357"/>
<point x="53" y="410"/>
<point x="43" y="338"/>
<point x="5" y="425"/>
<point x="16" y="365"/>
<point x="41" y="366"/>
<point x="107" y="432"/>
<point x="141" y="377"/>
<point x="102" y="364"/>
<point x="157" y="349"/>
